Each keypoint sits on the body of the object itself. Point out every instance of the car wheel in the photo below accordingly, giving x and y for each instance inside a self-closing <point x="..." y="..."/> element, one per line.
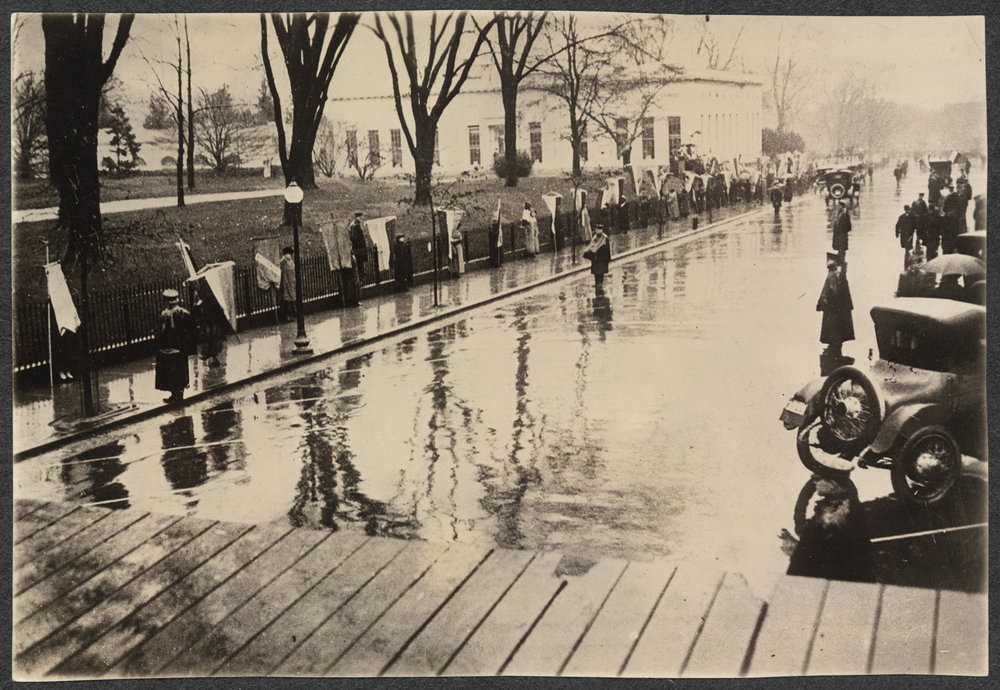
<point x="850" y="409"/>
<point x="927" y="467"/>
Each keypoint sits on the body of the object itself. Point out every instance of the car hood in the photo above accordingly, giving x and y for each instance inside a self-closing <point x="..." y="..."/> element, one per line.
<point x="900" y="384"/>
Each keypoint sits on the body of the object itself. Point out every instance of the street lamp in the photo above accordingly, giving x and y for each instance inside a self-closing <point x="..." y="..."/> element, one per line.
<point x="293" y="197"/>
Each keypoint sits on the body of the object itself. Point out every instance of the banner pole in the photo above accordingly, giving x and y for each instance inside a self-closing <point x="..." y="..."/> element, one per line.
<point x="48" y="327"/>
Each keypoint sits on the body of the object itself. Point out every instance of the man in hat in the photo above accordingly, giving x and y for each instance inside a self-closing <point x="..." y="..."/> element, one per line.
<point x="920" y="213"/>
<point x="175" y="341"/>
<point x="359" y="246"/>
<point x="836" y="305"/>
<point x="841" y="229"/>
<point x="914" y="281"/>
<point x="905" y="226"/>
<point x="287" y="266"/>
<point x="401" y="262"/>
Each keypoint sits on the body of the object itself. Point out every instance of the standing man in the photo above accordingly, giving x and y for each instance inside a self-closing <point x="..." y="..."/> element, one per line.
<point x="905" y="227"/>
<point x="920" y="212"/>
<point x="841" y="229"/>
<point x="401" y="261"/>
<point x="359" y="246"/>
<point x="836" y="305"/>
<point x="935" y="227"/>
<point x="175" y="341"/>
<point x="287" y="266"/>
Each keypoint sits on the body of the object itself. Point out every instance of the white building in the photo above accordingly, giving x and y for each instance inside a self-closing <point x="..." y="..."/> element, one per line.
<point x="718" y="112"/>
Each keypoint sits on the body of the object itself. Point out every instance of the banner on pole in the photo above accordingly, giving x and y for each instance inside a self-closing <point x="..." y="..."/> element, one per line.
<point x="380" y="230"/>
<point x="337" y="242"/>
<point x="551" y="200"/>
<point x="185" y="250"/>
<point x="499" y="226"/>
<point x="452" y="218"/>
<point x="267" y="255"/>
<point x="221" y="280"/>
<point x="67" y="318"/>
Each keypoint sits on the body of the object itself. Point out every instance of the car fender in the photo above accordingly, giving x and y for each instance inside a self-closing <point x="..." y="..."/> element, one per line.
<point x="808" y="392"/>
<point x="904" y="421"/>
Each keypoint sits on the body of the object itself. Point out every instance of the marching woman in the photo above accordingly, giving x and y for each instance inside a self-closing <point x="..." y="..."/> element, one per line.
<point x="599" y="253"/>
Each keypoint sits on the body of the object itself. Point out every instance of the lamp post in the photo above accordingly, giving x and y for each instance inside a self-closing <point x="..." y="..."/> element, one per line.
<point x="293" y="197"/>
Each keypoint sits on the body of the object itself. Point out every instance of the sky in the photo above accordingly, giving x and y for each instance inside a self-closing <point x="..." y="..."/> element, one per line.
<point x="915" y="60"/>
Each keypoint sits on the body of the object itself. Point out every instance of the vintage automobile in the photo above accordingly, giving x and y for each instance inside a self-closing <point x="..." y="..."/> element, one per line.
<point x="840" y="185"/>
<point x="972" y="243"/>
<point x="917" y="411"/>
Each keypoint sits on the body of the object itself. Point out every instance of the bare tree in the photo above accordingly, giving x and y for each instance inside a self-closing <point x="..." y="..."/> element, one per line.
<point x="190" y="110"/>
<point x="838" y="112"/>
<point x="221" y="127"/>
<point x="788" y="85"/>
<point x="28" y="132"/>
<point x="364" y="160"/>
<point x="75" y="74"/>
<point x="310" y="60"/>
<point x="328" y="147"/>
<point x="719" y="54"/>
<point x="433" y="87"/>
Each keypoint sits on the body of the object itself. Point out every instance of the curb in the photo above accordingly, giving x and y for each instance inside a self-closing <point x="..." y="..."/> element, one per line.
<point x="429" y="319"/>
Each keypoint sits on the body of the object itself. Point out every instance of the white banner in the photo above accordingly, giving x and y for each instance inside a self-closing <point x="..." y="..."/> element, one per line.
<point x="378" y="230"/>
<point x="67" y="318"/>
<point x="551" y="200"/>
<point x="267" y="270"/>
<point x="499" y="226"/>
<point x="222" y="282"/>
<point x="452" y="219"/>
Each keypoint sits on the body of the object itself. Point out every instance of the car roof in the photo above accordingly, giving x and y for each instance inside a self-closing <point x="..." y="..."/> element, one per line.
<point x="932" y="310"/>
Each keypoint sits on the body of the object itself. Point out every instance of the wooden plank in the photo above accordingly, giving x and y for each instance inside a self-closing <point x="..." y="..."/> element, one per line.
<point x="962" y="639"/>
<point x="91" y="565"/>
<point x="843" y="637"/>
<point x="486" y="651"/>
<point x="40" y="519"/>
<point x="549" y="644"/>
<point x="431" y="649"/>
<point x="338" y="632"/>
<point x="905" y="632"/>
<point x="787" y="633"/>
<point x="46" y="564"/>
<point x="46" y="657"/>
<point x="23" y="507"/>
<point x="376" y="647"/>
<point x="198" y="621"/>
<point x="254" y="615"/>
<point x="47" y="539"/>
<point x="299" y="621"/>
<point x="606" y="646"/>
<point x="673" y="628"/>
<point x="105" y="651"/>
<point x="725" y="639"/>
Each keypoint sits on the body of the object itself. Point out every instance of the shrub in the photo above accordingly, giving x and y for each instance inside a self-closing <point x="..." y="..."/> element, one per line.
<point x="522" y="167"/>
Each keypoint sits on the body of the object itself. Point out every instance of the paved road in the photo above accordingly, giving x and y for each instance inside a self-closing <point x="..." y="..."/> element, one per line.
<point x="33" y="215"/>
<point x="638" y="423"/>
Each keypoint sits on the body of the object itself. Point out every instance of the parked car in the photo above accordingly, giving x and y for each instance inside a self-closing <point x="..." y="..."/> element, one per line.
<point x="840" y="185"/>
<point x="917" y="410"/>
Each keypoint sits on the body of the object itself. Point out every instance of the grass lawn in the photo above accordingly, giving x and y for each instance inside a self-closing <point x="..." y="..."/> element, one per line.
<point x="142" y="241"/>
<point x="40" y="194"/>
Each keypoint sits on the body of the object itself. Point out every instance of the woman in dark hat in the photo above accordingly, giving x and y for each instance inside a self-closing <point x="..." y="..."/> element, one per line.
<point x="599" y="253"/>
<point x="836" y="305"/>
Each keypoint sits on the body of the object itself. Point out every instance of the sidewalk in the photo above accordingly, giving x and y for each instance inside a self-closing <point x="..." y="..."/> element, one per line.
<point x="34" y="215"/>
<point x="44" y="418"/>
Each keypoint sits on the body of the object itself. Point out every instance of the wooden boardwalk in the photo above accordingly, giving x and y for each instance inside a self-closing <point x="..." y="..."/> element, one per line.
<point x="102" y="593"/>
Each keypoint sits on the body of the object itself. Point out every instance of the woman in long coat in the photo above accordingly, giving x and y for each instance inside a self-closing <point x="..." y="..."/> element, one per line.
<point x="841" y="228"/>
<point x="599" y="253"/>
<point x="836" y="304"/>
<point x="529" y="223"/>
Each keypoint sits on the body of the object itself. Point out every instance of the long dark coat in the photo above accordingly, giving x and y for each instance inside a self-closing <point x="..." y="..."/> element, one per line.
<point x="904" y="230"/>
<point x="176" y="339"/>
<point x="841" y="228"/>
<point x="359" y="246"/>
<point x="602" y="256"/>
<point x="402" y="264"/>
<point x="836" y="305"/>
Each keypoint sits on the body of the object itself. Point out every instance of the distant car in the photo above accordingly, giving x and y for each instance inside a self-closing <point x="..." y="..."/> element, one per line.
<point x="840" y="186"/>
<point x="916" y="412"/>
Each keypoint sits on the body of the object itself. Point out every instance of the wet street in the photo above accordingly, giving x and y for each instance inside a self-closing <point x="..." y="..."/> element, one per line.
<point x="639" y="423"/>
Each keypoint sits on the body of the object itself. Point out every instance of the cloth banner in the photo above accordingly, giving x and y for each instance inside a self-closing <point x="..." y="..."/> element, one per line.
<point x="380" y="229"/>
<point x="185" y="250"/>
<point x="337" y="242"/>
<point x="688" y="181"/>
<point x="221" y="279"/>
<point x="499" y="226"/>
<point x="585" y="229"/>
<point x="267" y="254"/>
<point x="551" y="200"/>
<point x="610" y="195"/>
<point x="67" y="318"/>
<point x="452" y="219"/>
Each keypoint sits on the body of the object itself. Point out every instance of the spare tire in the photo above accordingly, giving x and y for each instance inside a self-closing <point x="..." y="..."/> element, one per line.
<point x="838" y="190"/>
<point x="850" y="408"/>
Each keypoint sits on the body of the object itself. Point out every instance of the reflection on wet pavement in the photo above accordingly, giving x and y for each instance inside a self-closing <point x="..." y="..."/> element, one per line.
<point x="639" y="421"/>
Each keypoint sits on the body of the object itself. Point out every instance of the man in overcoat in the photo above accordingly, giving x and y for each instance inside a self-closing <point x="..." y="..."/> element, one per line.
<point x="836" y="305"/>
<point x="359" y="245"/>
<point x="905" y="227"/>
<point x="841" y="230"/>
<point x="175" y="341"/>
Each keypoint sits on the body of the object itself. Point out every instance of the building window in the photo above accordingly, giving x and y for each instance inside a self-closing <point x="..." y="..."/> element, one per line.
<point x="674" y="133"/>
<point x="496" y="135"/>
<point x="352" y="146"/>
<point x="396" y="142"/>
<point x="621" y="126"/>
<point x="535" y="138"/>
<point x="374" y="148"/>
<point x="648" y="138"/>
<point x="474" y="157"/>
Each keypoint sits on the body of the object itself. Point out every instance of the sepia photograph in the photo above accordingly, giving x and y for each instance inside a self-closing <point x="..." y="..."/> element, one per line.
<point x="498" y="343"/>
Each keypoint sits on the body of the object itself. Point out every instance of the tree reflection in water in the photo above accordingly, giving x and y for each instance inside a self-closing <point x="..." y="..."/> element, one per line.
<point x="91" y="476"/>
<point x="327" y="494"/>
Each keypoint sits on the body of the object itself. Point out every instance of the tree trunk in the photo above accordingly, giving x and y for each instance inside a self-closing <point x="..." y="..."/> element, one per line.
<point x="575" y="138"/>
<point x="423" y="164"/>
<point x="626" y="156"/>
<point x="190" y="113"/>
<point x="509" y="95"/>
